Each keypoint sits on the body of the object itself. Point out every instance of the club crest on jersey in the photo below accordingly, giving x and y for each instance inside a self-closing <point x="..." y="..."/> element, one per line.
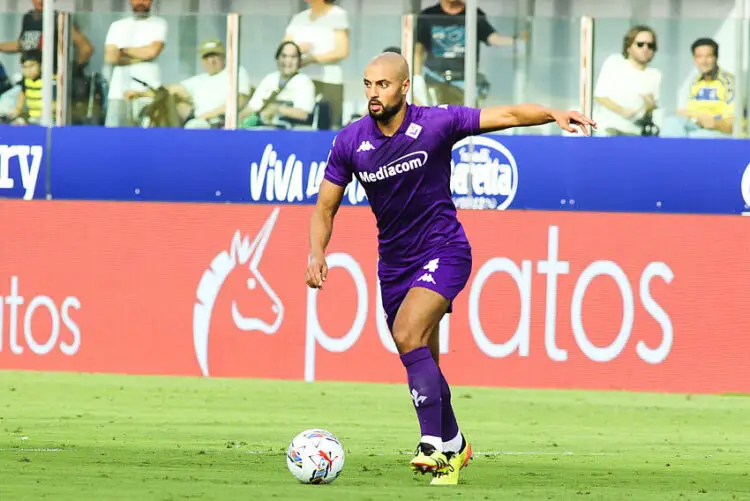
<point x="406" y="163"/>
<point x="414" y="130"/>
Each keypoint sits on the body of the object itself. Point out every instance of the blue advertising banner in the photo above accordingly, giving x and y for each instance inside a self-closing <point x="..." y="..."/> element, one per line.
<point x="192" y="165"/>
<point x="624" y="174"/>
<point x="620" y="174"/>
<point x="23" y="162"/>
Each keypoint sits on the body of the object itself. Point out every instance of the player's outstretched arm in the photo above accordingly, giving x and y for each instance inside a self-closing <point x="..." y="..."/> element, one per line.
<point x="321" y="228"/>
<point x="527" y="115"/>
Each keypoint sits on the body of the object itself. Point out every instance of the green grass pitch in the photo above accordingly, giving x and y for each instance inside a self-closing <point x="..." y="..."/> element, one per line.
<point x="94" y="437"/>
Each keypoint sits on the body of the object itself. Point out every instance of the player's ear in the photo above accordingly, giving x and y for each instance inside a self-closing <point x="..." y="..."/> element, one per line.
<point x="405" y="86"/>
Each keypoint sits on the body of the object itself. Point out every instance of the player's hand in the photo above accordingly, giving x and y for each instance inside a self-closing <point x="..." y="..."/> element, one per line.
<point x="568" y="120"/>
<point x="316" y="272"/>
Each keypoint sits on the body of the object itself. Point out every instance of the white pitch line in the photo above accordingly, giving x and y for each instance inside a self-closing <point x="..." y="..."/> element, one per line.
<point x="12" y="449"/>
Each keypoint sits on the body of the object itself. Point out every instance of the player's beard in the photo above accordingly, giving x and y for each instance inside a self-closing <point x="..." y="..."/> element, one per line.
<point x="386" y="113"/>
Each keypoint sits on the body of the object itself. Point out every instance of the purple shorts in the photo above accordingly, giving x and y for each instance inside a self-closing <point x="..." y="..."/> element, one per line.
<point x="445" y="271"/>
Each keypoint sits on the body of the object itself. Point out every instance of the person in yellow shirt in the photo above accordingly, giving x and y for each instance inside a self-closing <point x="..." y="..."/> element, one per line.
<point x="28" y="108"/>
<point x="709" y="112"/>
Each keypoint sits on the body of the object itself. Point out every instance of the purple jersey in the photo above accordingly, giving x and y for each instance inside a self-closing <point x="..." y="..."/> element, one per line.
<point x="406" y="177"/>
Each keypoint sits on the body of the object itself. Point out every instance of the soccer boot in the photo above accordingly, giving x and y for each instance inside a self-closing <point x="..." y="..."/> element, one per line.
<point x="456" y="461"/>
<point x="429" y="460"/>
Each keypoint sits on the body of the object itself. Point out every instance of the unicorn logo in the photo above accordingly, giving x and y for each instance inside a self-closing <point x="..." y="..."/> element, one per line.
<point x="241" y="253"/>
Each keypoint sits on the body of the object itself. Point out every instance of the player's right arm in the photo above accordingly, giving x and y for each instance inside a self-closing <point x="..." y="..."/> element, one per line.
<point x="338" y="175"/>
<point x="321" y="229"/>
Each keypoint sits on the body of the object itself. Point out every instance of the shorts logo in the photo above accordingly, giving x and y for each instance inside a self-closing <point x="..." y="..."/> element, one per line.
<point x="427" y="277"/>
<point x="244" y="258"/>
<point x="406" y="163"/>
<point x="485" y="178"/>
<point x="432" y="266"/>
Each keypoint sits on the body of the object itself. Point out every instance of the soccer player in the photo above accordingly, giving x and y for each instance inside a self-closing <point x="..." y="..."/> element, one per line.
<point x="401" y="154"/>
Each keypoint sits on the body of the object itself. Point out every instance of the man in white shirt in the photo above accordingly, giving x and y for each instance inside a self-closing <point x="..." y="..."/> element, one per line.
<point x="132" y="47"/>
<point x="285" y="97"/>
<point x="627" y="90"/>
<point x="204" y="96"/>
<point x="322" y="32"/>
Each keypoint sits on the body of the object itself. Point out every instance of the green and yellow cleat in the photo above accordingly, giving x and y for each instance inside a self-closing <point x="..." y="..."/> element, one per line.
<point x="456" y="462"/>
<point x="429" y="460"/>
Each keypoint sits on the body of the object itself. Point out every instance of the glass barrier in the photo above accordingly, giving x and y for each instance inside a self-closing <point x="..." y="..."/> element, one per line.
<point x="532" y="60"/>
<point x="664" y="96"/>
<point x="15" y="107"/>
<point x="520" y="60"/>
<point x="370" y="35"/>
<point x="185" y="85"/>
<point x="322" y="96"/>
<point x="282" y="96"/>
<point x="439" y="55"/>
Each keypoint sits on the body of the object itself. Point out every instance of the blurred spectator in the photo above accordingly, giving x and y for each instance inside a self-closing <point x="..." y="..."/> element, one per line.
<point x="441" y="47"/>
<point x="133" y="45"/>
<point x="322" y="33"/>
<point x="29" y="105"/>
<point x="285" y="97"/>
<point x="202" y="99"/>
<point x="710" y="104"/>
<point x="5" y="82"/>
<point x="30" y="37"/>
<point x="627" y="90"/>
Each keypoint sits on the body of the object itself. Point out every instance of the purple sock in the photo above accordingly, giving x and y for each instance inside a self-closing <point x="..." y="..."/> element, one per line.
<point x="449" y="429"/>
<point x="425" y="389"/>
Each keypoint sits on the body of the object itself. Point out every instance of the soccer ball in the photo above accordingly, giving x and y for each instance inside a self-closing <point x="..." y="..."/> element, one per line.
<point x="315" y="457"/>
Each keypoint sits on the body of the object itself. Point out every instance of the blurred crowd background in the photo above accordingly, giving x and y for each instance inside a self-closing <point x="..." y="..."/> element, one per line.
<point x="669" y="68"/>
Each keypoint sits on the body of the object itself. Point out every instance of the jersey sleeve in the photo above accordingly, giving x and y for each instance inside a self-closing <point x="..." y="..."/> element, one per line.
<point x="264" y="89"/>
<point x="464" y="121"/>
<point x="484" y="28"/>
<point x="338" y="166"/>
<point x="607" y="81"/>
<point x="424" y="28"/>
<point x="339" y="21"/>
<point x="191" y="84"/>
<point x="728" y="108"/>
<point x="304" y="95"/>
<point x="160" y="31"/>
<point x="113" y="35"/>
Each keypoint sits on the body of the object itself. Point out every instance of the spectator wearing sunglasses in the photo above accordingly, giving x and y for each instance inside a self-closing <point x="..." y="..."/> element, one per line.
<point x="627" y="89"/>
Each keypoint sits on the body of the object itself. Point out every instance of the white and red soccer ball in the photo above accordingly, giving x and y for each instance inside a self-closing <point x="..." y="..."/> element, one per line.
<point x="315" y="456"/>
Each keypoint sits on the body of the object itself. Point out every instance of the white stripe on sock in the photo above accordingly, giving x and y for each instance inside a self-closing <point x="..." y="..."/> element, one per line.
<point x="436" y="442"/>
<point x="454" y="444"/>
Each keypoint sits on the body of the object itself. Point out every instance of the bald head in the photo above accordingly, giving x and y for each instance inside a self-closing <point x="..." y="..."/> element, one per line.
<point x="393" y="64"/>
<point x="386" y="85"/>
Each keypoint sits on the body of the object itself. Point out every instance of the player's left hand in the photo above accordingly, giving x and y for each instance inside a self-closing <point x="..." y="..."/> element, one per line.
<point x="569" y="120"/>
